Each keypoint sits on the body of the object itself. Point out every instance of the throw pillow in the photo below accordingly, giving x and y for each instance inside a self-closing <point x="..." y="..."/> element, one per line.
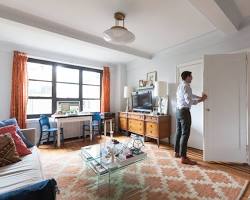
<point x="21" y="148"/>
<point x="8" y="153"/>
<point x="13" y="121"/>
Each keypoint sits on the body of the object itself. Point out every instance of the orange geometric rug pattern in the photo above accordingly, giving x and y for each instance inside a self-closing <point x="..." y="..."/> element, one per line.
<point x="159" y="177"/>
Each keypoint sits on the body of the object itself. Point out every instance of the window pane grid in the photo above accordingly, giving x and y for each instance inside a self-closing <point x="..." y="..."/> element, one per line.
<point x="91" y="84"/>
<point x="91" y="105"/>
<point x="90" y="77"/>
<point x="40" y="80"/>
<point x="40" y="88"/>
<point x="68" y="75"/>
<point x="90" y="91"/>
<point x="66" y="83"/>
<point x="65" y="90"/>
<point x="39" y="106"/>
<point x="39" y="71"/>
<point x="91" y="99"/>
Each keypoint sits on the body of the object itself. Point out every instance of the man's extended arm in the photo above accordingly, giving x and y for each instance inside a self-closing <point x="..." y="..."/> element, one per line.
<point x="189" y="97"/>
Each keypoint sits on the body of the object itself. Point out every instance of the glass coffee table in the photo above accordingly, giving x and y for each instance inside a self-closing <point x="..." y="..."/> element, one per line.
<point x="111" y="157"/>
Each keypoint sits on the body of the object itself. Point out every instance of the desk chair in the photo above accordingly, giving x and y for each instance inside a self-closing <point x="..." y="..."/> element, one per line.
<point x="96" y="125"/>
<point x="46" y="130"/>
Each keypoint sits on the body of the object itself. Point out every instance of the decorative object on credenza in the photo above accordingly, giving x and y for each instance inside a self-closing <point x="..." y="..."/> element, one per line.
<point x="136" y="143"/>
<point x="149" y="83"/>
<point x="160" y="91"/>
<point x="143" y="83"/>
<point x="151" y="78"/>
<point x="164" y="105"/>
<point x="127" y="95"/>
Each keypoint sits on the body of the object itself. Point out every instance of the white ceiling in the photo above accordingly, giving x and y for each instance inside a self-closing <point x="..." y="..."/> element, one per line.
<point x="244" y="7"/>
<point x="157" y="24"/>
<point x="35" y="38"/>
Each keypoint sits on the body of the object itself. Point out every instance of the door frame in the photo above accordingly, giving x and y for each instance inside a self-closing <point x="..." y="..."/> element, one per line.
<point x="178" y="75"/>
<point x="248" y="105"/>
<point x="199" y="61"/>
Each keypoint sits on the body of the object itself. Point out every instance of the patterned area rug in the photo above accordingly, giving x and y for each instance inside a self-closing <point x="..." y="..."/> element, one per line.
<point x="158" y="177"/>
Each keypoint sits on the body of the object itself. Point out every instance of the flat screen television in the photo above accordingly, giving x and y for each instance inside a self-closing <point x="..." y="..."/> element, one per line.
<point x="142" y="101"/>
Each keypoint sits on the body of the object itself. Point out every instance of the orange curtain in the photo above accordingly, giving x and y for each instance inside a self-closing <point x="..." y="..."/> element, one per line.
<point x="19" y="97"/>
<point x="105" y="104"/>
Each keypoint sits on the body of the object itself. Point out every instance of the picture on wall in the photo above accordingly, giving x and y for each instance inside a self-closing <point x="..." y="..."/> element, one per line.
<point x="141" y="83"/>
<point x="151" y="77"/>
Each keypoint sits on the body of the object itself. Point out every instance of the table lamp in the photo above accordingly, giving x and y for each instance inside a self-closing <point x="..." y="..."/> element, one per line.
<point x="127" y="94"/>
<point x="160" y="90"/>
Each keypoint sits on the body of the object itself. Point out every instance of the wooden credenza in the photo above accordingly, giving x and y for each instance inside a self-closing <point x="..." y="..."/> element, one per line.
<point x="146" y="125"/>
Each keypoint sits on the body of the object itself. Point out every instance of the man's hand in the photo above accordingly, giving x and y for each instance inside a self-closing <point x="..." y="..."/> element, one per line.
<point x="203" y="98"/>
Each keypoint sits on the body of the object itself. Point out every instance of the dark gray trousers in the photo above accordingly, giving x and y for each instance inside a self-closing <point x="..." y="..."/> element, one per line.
<point x="183" y="124"/>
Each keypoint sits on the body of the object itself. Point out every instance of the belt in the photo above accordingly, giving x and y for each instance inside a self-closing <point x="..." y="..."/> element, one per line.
<point x="184" y="108"/>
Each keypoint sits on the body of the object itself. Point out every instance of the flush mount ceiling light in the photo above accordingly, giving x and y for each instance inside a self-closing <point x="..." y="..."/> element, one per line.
<point x="118" y="34"/>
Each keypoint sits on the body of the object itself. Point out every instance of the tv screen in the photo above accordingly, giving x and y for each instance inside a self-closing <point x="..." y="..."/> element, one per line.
<point x="142" y="100"/>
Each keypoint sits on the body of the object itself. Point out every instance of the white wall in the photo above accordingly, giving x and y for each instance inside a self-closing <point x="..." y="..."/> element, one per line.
<point x="6" y="57"/>
<point x="165" y="62"/>
<point x="5" y="83"/>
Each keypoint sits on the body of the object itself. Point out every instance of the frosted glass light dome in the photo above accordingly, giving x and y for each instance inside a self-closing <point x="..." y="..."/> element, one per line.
<point x="118" y="34"/>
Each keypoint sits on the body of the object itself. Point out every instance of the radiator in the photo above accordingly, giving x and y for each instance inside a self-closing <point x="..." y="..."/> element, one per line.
<point x="70" y="130"/>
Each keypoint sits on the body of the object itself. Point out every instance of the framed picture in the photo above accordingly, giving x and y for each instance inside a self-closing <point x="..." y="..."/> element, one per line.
<point x="152" y="77"/>
<point x="149" y="83"/>
<point x="141" y="83"/>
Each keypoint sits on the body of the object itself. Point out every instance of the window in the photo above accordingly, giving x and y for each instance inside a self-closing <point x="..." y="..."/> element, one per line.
<point x="39" y="88"/>
<point x="67" y="82"/>
<point x="91" y="91"/>
<point x="50" y="83"/>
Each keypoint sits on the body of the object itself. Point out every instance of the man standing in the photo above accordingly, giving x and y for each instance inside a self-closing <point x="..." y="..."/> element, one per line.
<point x="185" y="99"/>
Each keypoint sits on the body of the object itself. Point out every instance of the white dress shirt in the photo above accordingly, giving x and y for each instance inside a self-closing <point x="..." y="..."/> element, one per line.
<point x="184" y="96"/>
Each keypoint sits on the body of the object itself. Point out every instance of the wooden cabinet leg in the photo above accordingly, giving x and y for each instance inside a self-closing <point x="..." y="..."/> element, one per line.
<point x="158" y="142"/>
<point x="127" y="133"/>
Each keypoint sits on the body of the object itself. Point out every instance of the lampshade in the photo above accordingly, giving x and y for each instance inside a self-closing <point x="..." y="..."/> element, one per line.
<point x="127" y="91"/>
<point x="118" y="34"/>
<point x="160" y="89"/>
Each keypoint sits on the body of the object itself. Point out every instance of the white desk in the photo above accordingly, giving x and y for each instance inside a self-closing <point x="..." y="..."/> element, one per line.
<point x="60" y="119"/>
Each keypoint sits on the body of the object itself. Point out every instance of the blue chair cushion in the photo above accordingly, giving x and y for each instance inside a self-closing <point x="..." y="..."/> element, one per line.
<point x="50" y="130"/>
<point x="39" y="191"/>
<point x="13" y="121"/>
<point x="96" y="116"/>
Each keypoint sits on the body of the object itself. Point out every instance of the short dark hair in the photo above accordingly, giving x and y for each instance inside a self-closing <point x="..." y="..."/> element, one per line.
<point x="185" y="74"/>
